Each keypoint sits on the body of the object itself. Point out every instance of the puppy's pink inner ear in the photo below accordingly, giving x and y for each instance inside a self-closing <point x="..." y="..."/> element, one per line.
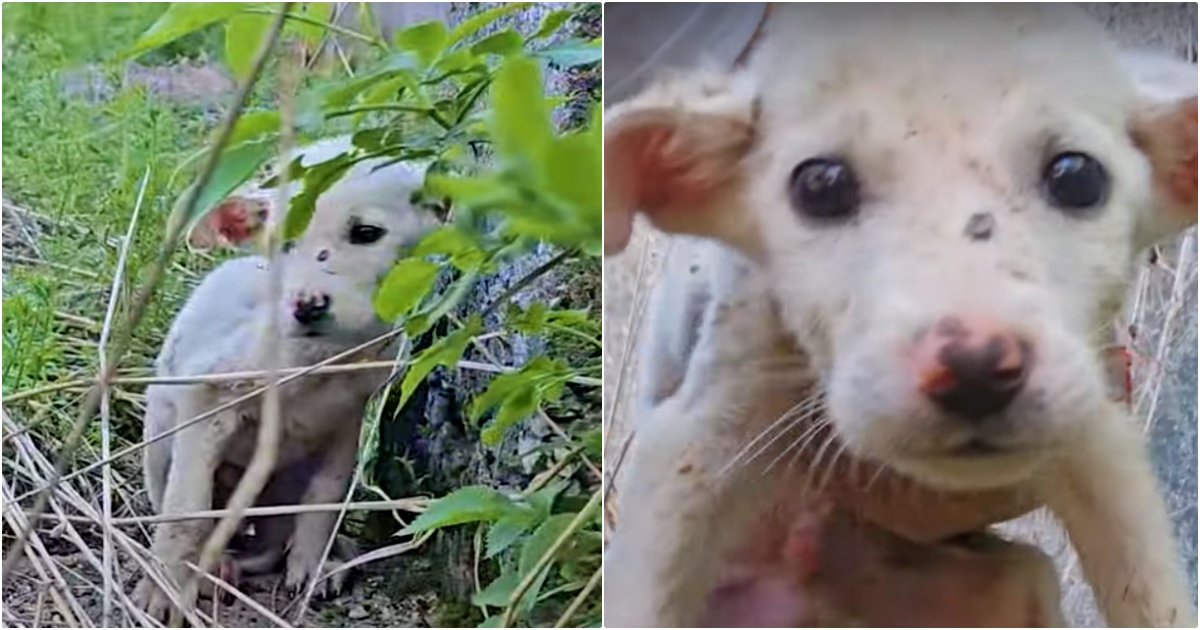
<point x="1169" y="140"/>
<point x="660" y="172"/>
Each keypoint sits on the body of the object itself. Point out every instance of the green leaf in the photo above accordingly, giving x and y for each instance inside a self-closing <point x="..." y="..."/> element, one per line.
<point x="573" y="173"/>
<point x="472" y="24"/>
<point x="317" y="179"/>
<point x="529" y="321"/>
<point x="235" y="166"/>
<point x="503" y="43"/>
<point x="426" y="39"/>
<point x="180" y="19"/>
<point x="458" y="61"/>
<point x="535" y="547"/>
<point x="470" y="504"/>
<point x="243" y="35"/>
<point x="497" y="593"/>
<point x="551" y="22"/>
<point x="252" y="125"/>
<point x="404" y="287"/>
<point x="491" y="622"/>
<point x="593" y="443"/>
<point x="483" y="193"/>
<point x="507" y="384"/>
<point x="446" y="351"/>
<point x="520" y="405"/>
<point x="542" y="539"/>
<point x="521" y="123"/>
<point x="312" y="33"/>
<point x="509" y="529"/>
<point x="571" y="54"/>
<point x="455" y="243"/>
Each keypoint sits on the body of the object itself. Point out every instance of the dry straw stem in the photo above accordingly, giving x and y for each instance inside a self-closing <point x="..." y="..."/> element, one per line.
<point x="266" y="450"/>
<point x="105" y="403"/>
<point x="223" y="377"/>
<point x="36" y="464"/>
<point x="175" y="224"/>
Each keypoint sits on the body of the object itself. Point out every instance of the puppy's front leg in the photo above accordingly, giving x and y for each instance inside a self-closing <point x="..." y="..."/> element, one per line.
<point x="1107" y="497"/>
<point x="196" y="454"/>
<point x="681" y="511"/>
<point x="313" y="529"/>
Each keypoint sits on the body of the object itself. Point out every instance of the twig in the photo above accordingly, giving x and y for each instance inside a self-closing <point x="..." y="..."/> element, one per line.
<point x="330" y="26"/>
<point x="408" y="505"/>
<point x="242" y="597"/>
<point x="577" y="603"/>
<point x="218" y="409"/>
<point x="515" y="599"/>
<point x="254" y="479"/>
<point x="525" y="281"/>
<point x="382" y="553"/>
<point x="53" y="265"/>
<point x="61" y="593"/>
<point x="105" y="405"/>
<point x="222" y="377"/>
<point x="1186" y="252"/>
<point x="175" y="223"/>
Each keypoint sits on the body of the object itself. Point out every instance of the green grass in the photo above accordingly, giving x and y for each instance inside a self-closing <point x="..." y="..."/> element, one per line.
<point x="77" y="166"/>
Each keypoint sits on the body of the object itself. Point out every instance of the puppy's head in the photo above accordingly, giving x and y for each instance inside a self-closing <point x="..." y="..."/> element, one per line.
<point x="948" y="202"/>
<point x="358" y="230"/>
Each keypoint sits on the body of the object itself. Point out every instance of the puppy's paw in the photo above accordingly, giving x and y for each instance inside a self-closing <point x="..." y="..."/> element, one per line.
<point x="152" y="599"/>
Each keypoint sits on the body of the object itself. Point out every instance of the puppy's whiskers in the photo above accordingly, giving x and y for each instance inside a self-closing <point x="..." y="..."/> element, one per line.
<point x="790" y="419"/>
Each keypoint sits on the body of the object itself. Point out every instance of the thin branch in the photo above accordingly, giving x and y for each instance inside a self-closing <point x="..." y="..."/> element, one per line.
<point x="266" y="451"/>
<point x="408" y="505"/>
<point x="577" y="603"/>
<point x="106" y="400"/>
<point x="526" y="281"/>
<point x="254" y="393"/>
<point x="223" y="377"/>
<point x="340" y="30"/>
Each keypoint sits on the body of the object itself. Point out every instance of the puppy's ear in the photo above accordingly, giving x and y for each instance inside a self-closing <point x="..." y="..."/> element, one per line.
<point x="1164" y="128"/>
<point x="675" y="153"/>
<point x="232" y="223"/>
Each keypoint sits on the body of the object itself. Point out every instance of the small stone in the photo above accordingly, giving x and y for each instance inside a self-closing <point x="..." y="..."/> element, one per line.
<point x="357" y="612"/>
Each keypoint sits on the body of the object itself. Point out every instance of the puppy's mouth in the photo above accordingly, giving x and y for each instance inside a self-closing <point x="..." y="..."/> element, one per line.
<point x="977" y="448"/>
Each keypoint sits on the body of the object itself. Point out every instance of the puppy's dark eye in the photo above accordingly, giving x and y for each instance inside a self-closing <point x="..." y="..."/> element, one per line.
<point x="363" y="234"/>
<point x="1075" y="181"/>
<point x="825" y="188"/>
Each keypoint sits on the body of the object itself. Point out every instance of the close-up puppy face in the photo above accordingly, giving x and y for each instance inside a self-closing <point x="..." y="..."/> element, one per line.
<point x="948" y="203"/>
<point x="950" y="244"/>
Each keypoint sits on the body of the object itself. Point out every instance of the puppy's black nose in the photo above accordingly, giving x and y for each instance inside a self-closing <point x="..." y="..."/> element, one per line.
<point x="311" y="309"/>
<point x="973" y="368"/>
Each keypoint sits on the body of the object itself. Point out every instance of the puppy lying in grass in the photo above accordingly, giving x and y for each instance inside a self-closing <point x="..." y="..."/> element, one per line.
<point x="918" y="223"/>
<point x="329" y="276"/>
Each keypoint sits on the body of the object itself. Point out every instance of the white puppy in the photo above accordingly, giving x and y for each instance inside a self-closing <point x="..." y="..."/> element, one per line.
<point x="928" y="216"/>
<point x="329" y="277"/>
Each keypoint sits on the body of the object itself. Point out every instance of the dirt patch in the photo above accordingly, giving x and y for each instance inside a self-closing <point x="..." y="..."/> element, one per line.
<point x="195" y="83"/>
<point x="394" y="593"/>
